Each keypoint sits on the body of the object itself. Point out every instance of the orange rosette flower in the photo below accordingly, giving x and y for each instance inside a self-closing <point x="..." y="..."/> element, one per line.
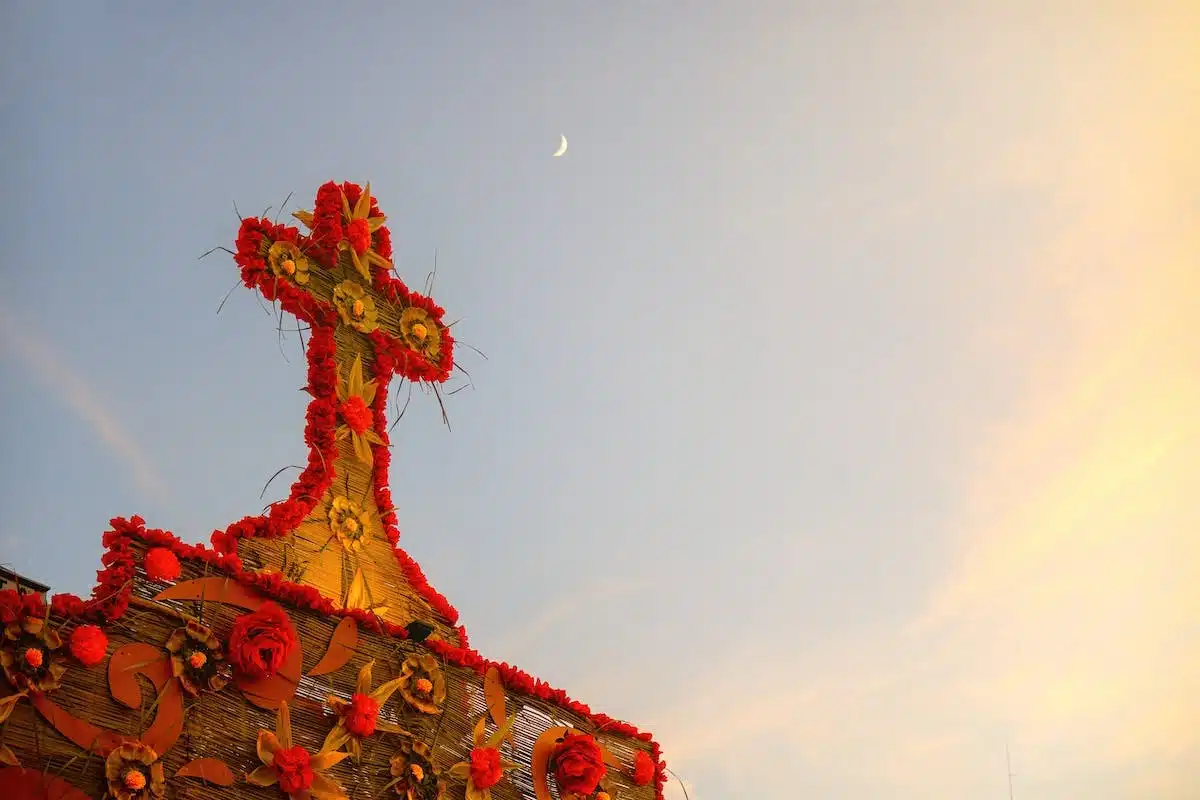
<point x="29" y="656"/>
<point x="298" y="772"/>
<point x="197" y="659"/>
<point x="485" y="768"/>
<point x="355" y="306"/>
<point x="355" y="397"/>
<point x="414" y="777"/>
<point x="349" y="522"/>
<point x="287" y="262"/>
<point x="422" y="683"/>
<point x="420" y="332"/>
<point x="358" y="717"/>
<point x="134" y="772"/>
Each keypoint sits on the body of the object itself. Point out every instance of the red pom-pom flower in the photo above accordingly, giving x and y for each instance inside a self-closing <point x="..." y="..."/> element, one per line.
<point x="486" y="768"/>
<point x="261" y="642"/>
<point x="161" y="564"/>
<point x="89" y="645"/>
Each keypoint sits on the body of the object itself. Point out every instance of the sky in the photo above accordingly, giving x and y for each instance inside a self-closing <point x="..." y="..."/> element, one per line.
<point x="839" y="416"/>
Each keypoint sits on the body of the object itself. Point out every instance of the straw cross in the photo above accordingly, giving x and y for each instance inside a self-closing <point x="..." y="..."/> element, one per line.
<point x="336" y="279"/>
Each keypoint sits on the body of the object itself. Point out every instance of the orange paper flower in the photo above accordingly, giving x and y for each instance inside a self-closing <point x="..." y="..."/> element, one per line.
<point x="29" y="655"/>
<point x="422" y="683"/>
<point x="134" y="772"/>
<point x="298" y="773"/>
<point x="197" y="659"/>
<point x="414" y="776"/>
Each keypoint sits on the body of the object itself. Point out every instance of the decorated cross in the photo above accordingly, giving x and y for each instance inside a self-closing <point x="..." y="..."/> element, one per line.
<point x="337" y="529"/>
<point x="306" y="657"/>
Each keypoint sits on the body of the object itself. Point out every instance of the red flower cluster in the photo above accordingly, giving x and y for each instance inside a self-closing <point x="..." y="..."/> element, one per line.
<point x="16" y="607"/>
<point x="89" y="645"/>
<point x="161" y="564"/>
<point x="486" y="770"/>
<point x="361" y="715"/>
<point x="294" y="768"/>
<point x="578" y="764"/>
<point x="260" y="642"/>
<point x="356" y="414"/>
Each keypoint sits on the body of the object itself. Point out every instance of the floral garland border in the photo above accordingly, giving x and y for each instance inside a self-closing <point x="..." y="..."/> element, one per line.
<point x="110" y="600"/>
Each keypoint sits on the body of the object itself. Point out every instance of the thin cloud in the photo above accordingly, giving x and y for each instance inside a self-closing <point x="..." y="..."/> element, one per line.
<point x="56" y="375"/>
<point x="563" y="609"/>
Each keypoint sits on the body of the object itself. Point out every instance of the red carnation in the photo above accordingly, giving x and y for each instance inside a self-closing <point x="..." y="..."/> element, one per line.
<point x="643" y="768"/>
<point x="361" y="715"/>
<point x="223" y="542"/>
<point x="10" y="606"/>
<point x="260" y="643"/>
<point x="357" y="415"/>
<point x="486" y="770"/>
<point x="294" y="768"/>
<point x="358" y="233"/>
<point x="578" y="764"/>
<point x="161" y="564"/>
<point x="89" y="645"/>
<point x="66" y="605"/>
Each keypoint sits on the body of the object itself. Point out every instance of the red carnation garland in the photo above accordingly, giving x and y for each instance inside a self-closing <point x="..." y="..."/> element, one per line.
<point x="643" y="768"/>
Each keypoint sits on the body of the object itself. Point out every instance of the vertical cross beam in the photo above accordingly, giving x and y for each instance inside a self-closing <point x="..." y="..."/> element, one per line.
<point x="337" y="529"/>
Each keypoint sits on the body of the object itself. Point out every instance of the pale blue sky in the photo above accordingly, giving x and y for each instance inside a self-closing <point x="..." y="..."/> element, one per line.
<point x="773" y="352"/>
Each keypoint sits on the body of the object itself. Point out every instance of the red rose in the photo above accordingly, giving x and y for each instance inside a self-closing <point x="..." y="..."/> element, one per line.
<point x="643" y="768"/>
<point x="89" y="645"/>
<point x="361" y="715"/>
<point x="358" y="417"/>
<point x="260" y="643"/>
<point x="10" y="606"/>
<point x="294" y="769"/>
<point x="161" y="564"/>
<point x="486" y="771"/>
<point x="578" y="764"/>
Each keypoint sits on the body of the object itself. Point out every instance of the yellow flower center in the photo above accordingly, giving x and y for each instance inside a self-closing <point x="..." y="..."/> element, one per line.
<point x="358" y="309"/>
<point x="417" y="773"/>
<point x="197" y="659"/>
<point x="134" y="779"/>
<point x="288" y="266"/>
<point x="350" y="524"/>
<point x="34" y="657"/>
<point x="424" y="685"/>
<point x="419" y="331"/>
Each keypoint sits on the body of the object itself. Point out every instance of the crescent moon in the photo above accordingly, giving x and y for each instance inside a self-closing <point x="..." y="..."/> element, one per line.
<point x="562" y="147"/>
